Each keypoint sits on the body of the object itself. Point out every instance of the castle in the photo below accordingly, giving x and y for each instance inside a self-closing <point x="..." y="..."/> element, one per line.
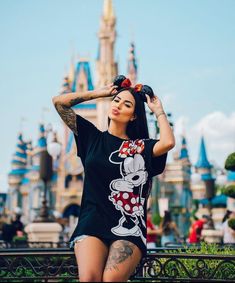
<point x="64" y="196"/>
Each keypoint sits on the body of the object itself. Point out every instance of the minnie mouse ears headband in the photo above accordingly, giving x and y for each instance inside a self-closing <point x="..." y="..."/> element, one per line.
<point x="123" y="82"/>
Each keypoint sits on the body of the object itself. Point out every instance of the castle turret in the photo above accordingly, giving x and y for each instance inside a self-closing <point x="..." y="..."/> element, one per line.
<point x="66" y="88"/>
<point x="203" y="166"/>
<point x="183" y="154"/>
<point x="16" y="176"/>
<point x="18" y="163"/>
<point x="132" y="65"/>
<point x="106" y="66"/>
<point x="41" y="146"/>
<point x="202" y="158"/>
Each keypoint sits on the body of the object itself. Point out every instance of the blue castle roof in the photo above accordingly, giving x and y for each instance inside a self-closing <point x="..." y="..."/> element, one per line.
<point x="83" y="66"/>
<point x="42" y="142"/>
<point x="19" y="160"/>
<point x="183" y="151"/>
<point x="202" y="158"/>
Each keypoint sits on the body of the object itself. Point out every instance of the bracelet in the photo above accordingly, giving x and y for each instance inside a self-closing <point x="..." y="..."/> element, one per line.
<point x="161" y="113"/>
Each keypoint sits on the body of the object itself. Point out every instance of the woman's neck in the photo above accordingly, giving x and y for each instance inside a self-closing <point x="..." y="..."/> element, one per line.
<point x="118" y="130"/>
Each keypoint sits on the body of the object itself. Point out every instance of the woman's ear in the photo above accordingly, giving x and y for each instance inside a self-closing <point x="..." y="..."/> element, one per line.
<point x="133" y="118"/>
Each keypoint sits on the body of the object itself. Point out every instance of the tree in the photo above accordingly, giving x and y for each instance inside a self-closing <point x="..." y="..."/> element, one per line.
<point x="230" y="189"/>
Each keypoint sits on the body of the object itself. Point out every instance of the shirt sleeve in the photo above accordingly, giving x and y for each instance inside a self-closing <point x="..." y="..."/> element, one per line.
<point x="155" y="165"/>
<point x="87" y="133"/>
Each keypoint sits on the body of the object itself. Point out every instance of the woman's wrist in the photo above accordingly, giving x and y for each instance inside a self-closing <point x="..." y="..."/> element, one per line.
<point x="98" y="93"/>
<point x="159" y="112"/>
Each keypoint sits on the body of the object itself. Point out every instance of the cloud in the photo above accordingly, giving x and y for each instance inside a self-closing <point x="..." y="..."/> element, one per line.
<point x="218" y="130"/>
<point x="206" y="72"/>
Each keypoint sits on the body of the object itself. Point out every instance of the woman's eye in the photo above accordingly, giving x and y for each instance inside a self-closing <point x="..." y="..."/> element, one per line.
<point x="116" y="100"/>
<point x="127" y="105"/>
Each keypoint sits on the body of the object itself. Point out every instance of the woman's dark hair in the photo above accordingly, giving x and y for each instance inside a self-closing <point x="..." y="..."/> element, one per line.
<point x="166" y="221"/>
<point x="138" y="128"/>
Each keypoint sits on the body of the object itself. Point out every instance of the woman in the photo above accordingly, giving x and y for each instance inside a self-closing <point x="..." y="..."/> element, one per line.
<point x="170" y="232"/>
<point x="110" y="237"/>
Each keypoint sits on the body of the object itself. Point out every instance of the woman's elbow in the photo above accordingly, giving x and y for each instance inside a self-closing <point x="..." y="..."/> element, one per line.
<point x="170" y="144"/>
<point x="54" y="100"/>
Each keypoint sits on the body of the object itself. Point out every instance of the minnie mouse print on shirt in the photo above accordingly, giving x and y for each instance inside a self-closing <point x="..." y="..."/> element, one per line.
<point x="127" y="191"/>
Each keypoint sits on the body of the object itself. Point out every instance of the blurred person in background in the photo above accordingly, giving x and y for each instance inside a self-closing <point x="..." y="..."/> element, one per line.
<point x="228" y="233"/>
<point x="196" y="229"/>
<point x="152" y="231"/>
<point x="169" y="230"/>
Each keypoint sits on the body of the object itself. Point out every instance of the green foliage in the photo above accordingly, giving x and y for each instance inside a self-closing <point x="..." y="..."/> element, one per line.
<point x="231" y="223"/>
<point x="181" y="268"/>
<point x="17" y="238"/>
<point x="229" y="191"/>
<point x="156" y="219"/>
<point x="230" y="162"/>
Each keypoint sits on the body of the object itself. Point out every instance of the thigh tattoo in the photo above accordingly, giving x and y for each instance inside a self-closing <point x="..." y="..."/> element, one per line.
<point x="119" y="252"/>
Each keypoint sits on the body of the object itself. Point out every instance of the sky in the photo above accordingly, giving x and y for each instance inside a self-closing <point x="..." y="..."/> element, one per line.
<point x="185" y="51"/>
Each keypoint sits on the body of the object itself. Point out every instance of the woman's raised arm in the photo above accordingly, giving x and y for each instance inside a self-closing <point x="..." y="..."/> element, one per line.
<point x="167" y="139"/>
<point x="64" y="102"/>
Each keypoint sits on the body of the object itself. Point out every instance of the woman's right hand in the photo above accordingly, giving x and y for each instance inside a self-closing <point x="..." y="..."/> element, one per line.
<point x="106" y="91"/>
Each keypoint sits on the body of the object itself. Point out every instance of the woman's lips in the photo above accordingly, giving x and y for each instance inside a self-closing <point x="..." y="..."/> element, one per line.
<point x="115" y="112"/>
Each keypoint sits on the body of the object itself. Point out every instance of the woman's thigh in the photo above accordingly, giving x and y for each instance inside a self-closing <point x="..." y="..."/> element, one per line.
<point x="91" y="254"/>
<point x="122" y="260"/>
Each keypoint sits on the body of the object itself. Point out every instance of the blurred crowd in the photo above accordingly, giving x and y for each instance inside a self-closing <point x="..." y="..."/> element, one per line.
<point x="162" y="235"/>
<point x="167" y="232"/>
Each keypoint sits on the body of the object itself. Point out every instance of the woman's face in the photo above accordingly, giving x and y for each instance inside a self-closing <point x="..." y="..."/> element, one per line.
<point x="122" y="107"/>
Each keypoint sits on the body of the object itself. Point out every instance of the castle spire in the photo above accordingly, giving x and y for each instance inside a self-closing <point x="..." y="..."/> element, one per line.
<point x="132" y="65"/>
<point x="65" y="86"/>
<point x="19" y="160"/>
<point x="42" y="142"/>
<point x="183" y="150"/>
<point x="71" y="71"/>
<point x="183" y="154"/>
<point x="106" y="65"/>
<point x="202" y="158"/>
<point x="108" y="12"/>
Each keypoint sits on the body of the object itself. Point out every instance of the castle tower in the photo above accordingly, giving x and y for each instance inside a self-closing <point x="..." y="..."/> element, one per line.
<point x="132" y="65"/>
<point x="106" y="66"/>
<point x="204" y="187"/>
<point x="203" y="166"/>
<point x="41" y="145"/>
<point x="183" y="154"/>
<point x="176" y="187"/>
<point x="203" y="162"/>
<point x="16" y="175"/>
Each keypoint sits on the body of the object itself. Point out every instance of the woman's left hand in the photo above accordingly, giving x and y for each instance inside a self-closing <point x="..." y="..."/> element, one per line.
<point x="106" y="91"/>
<point x="154" y="104"/>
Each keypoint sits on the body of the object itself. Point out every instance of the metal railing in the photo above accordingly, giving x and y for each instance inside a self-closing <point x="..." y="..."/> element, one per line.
<point x="59" y="265"/>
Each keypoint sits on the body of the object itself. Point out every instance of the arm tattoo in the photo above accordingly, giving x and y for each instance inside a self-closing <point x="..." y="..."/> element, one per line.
<point x="76" y="101"/>
<point x="68" y="116"/>
<point x="119" y="252"/>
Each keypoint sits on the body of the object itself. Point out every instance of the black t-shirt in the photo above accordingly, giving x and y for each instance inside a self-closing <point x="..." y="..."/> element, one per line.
<point x="117" y="183"/>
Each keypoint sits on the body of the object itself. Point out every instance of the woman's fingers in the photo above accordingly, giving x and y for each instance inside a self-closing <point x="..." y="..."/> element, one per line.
<point x="113" y="89"/>
<point x="148" y="98"/>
